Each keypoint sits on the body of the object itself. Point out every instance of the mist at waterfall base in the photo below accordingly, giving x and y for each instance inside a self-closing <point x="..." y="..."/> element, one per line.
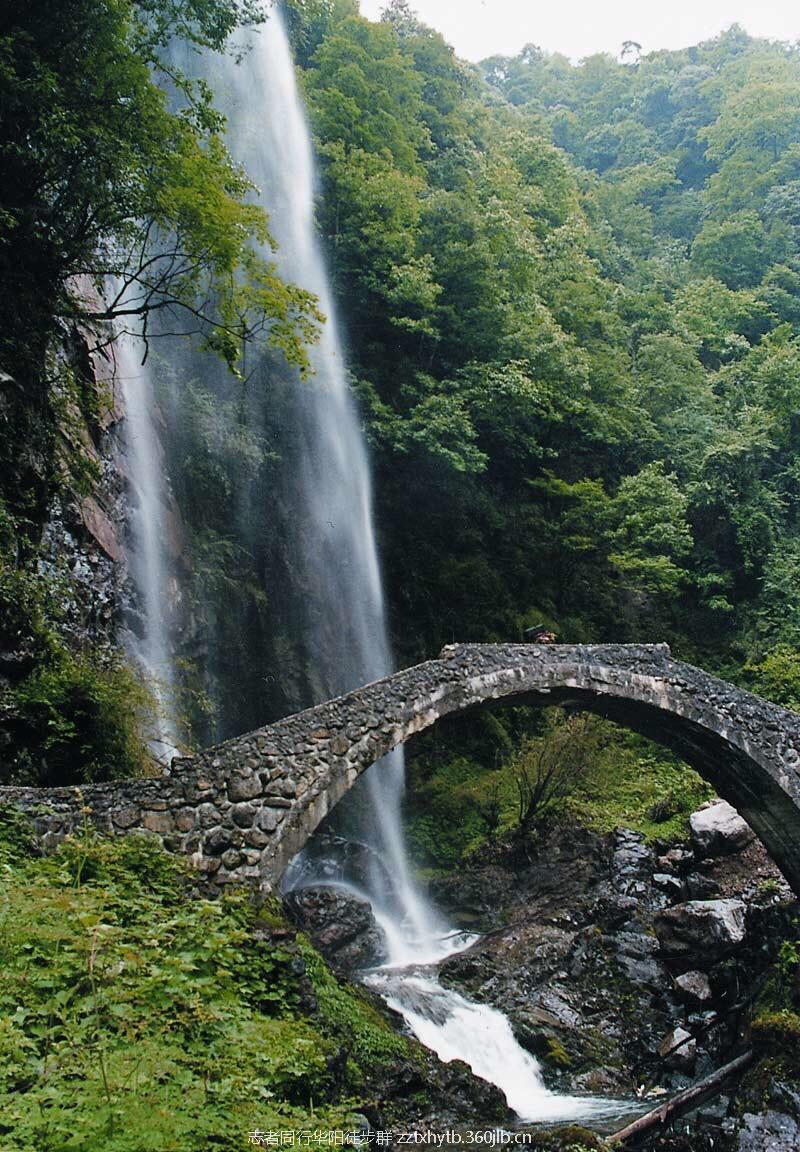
<point x="325" y="576"/>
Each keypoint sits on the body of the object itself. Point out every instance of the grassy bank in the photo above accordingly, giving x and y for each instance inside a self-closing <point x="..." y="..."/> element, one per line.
<point x="136" y="1016"/>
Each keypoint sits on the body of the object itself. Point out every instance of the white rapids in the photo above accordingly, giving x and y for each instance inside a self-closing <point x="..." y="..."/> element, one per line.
<point x="336" y="560"/>
<point x="459" y="1029"/>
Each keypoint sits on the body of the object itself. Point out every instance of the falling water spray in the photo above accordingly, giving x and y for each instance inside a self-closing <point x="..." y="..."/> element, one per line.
<point x="148" y="635"/>
<point x="328" y="487"/>
<point x="335" y="561"/>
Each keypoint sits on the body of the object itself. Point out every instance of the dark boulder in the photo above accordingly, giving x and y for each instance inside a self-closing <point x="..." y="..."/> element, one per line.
<point x="340" y="923"/>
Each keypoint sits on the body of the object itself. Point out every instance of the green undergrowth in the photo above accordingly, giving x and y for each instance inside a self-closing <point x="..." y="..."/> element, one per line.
<point x="136" y="1016"/>
<point x="357" y="1027"/>
<point x="67" y="715"/>
<point x="776" y="1018"/>
<point x="460" y="805"/>
<point x="77" y="720"/>
<point x="633" y="784"/>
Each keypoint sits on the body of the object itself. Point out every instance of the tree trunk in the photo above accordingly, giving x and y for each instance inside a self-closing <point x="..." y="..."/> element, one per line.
<point x="679" y="1105"/>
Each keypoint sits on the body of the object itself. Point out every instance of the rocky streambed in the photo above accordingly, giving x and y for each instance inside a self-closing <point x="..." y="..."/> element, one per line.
<point x="628" y="970"/>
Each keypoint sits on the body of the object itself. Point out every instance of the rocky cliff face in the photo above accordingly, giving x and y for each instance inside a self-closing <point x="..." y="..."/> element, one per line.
<point x="72" y="538"/>
<point x="627" y="970"/>
<point x="83" y="538"/>
<point x="68" y="704"/>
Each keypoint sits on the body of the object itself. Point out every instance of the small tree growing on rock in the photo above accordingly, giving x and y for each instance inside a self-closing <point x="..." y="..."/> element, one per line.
<point x="547" y="770"/>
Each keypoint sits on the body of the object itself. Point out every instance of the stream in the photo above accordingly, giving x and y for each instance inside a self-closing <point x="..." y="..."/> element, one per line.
<point x="327" y="485"/>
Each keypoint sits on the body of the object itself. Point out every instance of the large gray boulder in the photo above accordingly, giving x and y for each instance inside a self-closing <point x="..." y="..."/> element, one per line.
<point x="704" y="928"/>
<point x="340" y="923"/>
<point x="718" y="830"/>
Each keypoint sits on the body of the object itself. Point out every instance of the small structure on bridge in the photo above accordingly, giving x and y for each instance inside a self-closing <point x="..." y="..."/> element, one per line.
<point x="242" y="810"/>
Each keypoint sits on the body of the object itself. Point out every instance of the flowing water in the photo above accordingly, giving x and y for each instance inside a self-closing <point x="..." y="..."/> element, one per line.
<point x="459" y="1029"/>
<point x="147" y="637"/>
<point x="326" y="485"/>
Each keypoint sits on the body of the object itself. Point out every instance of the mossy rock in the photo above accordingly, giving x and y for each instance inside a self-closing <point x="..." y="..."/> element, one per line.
<point x="557" y="1053"/>
<point x="776" y="1036"/>
<point x="568" y="1051"/>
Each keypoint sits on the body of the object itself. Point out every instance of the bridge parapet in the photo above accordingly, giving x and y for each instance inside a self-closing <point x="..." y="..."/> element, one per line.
<point x="240" y="811"/>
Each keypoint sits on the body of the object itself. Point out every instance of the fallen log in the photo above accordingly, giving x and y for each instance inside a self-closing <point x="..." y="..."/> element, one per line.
<point x="679" y="1105"/>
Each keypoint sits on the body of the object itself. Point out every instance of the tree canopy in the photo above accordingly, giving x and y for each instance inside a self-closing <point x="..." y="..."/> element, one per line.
<point x="570" y="294"/>
<point x="109" y="183"/>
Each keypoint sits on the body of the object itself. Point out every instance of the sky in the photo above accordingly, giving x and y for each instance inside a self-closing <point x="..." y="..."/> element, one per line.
<point x="480" y="28"/>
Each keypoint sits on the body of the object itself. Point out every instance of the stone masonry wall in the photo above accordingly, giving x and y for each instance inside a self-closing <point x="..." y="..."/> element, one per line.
<point x="242" y="810"/>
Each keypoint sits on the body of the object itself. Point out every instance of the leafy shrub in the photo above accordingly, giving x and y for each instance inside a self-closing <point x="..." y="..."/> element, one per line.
<point x="611" y="777"/>
<point x="68" y="717"/>
<point x="777" y="1035"/>
<point x="73" y="721"/>
<point x="777" y="676"/>
<point x="16" y="835"/>
<point x="635" y="784"/>
<point x="127" y="1015"/>
<point x="23" y="613"/>
<point x="546" y="771"/>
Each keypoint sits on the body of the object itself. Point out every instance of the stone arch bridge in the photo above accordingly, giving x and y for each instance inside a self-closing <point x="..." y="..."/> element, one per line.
<point x="242" y="810"/>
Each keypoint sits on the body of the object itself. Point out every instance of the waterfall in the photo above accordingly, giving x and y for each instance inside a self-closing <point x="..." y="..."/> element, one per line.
<point x="324" y="501"/>
<point x="268" y="133"/>
<point x="147" y="636"/>
<point x="326" y="472"/>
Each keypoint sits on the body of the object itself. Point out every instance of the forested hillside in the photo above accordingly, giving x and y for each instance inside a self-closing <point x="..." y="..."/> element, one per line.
<point x="570" y="301"/>
<point x="571" y="295"/>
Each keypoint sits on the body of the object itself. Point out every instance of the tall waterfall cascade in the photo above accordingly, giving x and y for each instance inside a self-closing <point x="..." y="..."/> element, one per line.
<point x="326" y="484"/>
<point x="147" y="637"/>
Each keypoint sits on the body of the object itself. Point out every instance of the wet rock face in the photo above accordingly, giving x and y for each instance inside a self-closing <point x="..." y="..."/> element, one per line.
<point x="86" y="563"/>
<point x="576" y="966"/>
<point x="608" y="973"/>
<point x="341" y="925"/>
<point x="333" y="859"/>
<point x="719" y="830"/>
<point x="766" y="1115"/>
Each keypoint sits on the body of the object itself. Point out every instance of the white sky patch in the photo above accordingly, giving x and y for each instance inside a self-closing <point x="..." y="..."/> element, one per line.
<point x="480" y="28"/>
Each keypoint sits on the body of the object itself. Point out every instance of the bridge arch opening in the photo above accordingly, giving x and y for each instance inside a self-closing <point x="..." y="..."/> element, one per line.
<point x="472" y="779"/>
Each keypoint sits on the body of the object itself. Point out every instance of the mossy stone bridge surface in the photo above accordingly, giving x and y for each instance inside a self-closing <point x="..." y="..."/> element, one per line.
<point x="242" y="810"/>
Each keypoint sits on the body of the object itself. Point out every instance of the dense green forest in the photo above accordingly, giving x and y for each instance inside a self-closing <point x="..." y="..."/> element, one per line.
<point x="569" y="294"/>
<point x="571" y="299"/>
